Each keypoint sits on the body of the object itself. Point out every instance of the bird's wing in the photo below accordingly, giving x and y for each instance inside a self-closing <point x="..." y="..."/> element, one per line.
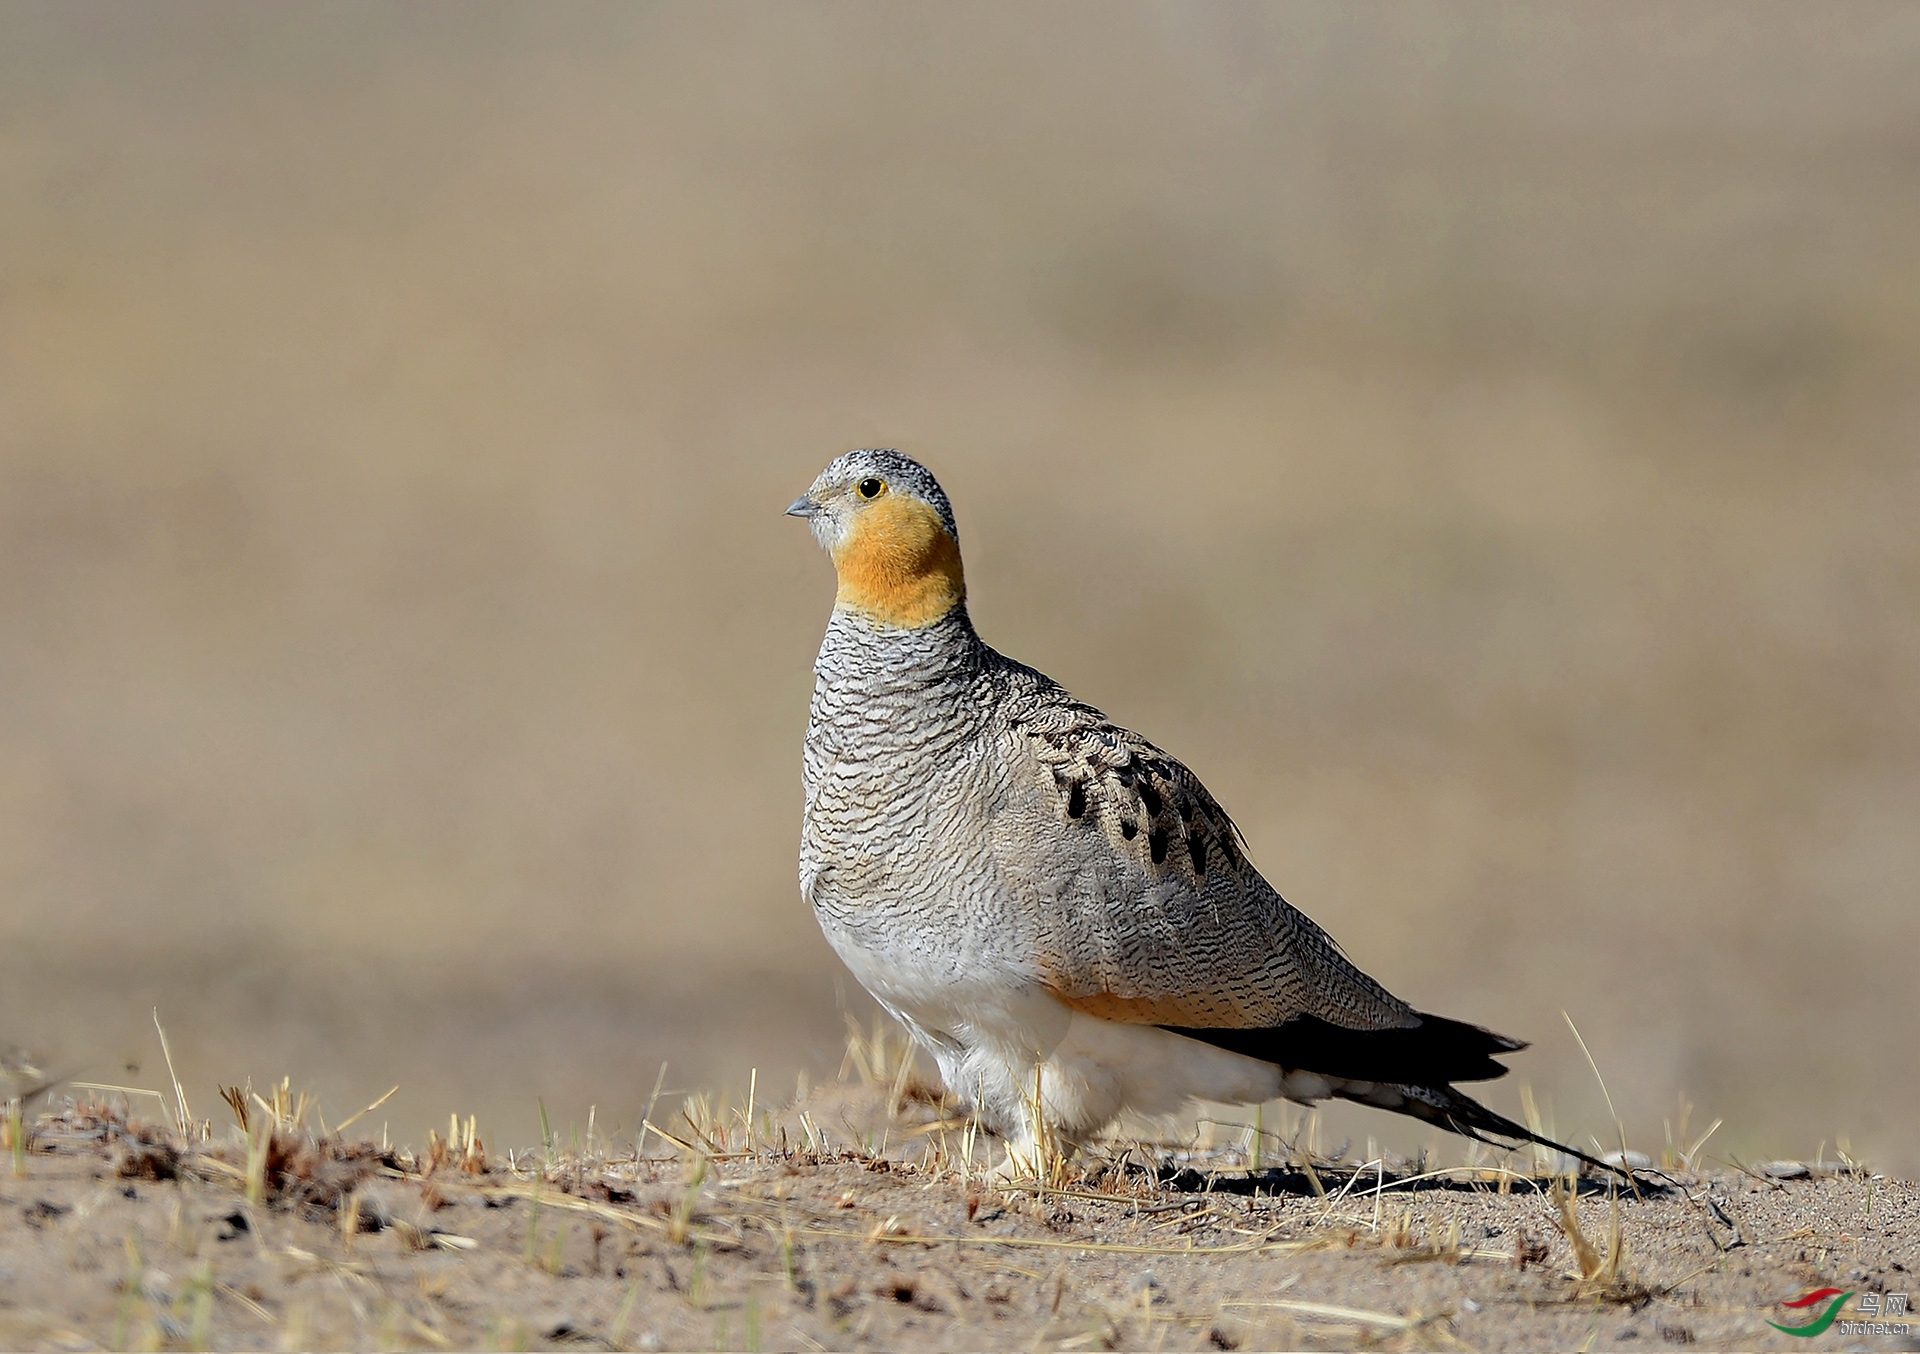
<point x="1151" y="911"/>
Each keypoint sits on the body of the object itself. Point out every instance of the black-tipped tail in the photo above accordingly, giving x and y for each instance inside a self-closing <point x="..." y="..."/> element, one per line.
<point x="1432" y="1051"/>
<point x="1408" y="1069"/>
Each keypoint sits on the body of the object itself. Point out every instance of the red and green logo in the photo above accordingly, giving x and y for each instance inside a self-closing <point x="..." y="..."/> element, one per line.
<point x="1813" y="1298"/>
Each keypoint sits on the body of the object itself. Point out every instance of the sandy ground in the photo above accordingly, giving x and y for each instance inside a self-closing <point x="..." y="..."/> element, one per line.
<point x="854" y="1220"/>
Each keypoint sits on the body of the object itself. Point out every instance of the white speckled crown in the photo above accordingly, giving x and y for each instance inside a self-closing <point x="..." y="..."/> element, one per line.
<point x="902" y="473"/>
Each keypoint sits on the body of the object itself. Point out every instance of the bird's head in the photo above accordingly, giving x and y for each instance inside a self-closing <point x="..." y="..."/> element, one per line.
<point x="888" y="527"/>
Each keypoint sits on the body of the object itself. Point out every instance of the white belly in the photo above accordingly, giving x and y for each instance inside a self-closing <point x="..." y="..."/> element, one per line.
<point x="998" y="1039"/>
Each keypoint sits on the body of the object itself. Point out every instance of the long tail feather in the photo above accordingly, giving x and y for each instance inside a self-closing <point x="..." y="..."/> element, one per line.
<point x="1462" y="1114"/>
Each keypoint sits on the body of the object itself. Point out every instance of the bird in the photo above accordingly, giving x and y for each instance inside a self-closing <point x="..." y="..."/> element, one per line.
<point x="1057" y="910"/>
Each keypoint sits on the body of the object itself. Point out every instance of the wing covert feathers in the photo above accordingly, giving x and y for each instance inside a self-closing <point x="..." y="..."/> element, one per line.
<point x="1152" y="808"/>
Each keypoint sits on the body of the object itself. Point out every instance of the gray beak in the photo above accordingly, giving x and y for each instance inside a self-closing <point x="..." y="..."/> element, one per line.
<point x="803" y="507"/>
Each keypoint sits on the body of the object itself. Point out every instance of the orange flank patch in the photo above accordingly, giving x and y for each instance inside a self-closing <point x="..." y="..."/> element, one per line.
<point x="898" y="564"/>
<point x="1141" y="1010"/>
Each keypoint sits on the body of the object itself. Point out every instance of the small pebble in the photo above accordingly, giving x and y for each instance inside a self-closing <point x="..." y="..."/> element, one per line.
<point x="1786" y="1170"/>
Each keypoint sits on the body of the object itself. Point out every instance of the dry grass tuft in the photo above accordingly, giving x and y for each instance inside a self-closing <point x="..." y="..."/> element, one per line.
<point x="887" y="1057"/>
<point x="286" y="1161"/>
<point x="1602" y="1273"/>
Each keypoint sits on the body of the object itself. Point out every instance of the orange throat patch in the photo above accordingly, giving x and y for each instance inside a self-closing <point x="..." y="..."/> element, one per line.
<point x="899" y="565"/>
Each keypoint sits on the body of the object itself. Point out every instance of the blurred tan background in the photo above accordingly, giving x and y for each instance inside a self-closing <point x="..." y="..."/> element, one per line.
<point x="1483" y="441"/>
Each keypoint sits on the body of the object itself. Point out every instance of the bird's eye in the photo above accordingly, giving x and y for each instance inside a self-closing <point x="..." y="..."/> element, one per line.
<point x="870" y="488"/>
